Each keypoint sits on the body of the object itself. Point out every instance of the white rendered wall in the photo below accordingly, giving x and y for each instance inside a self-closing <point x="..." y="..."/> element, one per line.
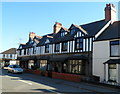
<point x="118" y="73"/>
<point x="100" y="55"/>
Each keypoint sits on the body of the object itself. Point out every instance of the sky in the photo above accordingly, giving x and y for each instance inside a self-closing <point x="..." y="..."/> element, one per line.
<point x="21" y="18"/>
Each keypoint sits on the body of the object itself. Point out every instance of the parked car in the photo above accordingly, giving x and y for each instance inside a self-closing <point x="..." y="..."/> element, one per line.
<point x="15" y="69"/>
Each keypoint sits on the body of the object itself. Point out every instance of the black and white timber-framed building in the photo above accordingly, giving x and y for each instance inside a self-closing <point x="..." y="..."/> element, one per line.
<point x="65" y="50"/>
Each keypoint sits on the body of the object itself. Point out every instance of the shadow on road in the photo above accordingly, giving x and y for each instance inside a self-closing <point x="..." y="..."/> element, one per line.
<point x="40" y="80"/>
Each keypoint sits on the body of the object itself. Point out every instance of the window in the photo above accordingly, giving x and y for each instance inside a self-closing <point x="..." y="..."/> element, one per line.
<point x="24" y="51"/>
<point x="47" y="48"/>
<point x="76" y="66"/>
<point x="43" y="64"/>
<point x="34" y="49"/>
<point x="115" y="48"/>
<point x="73" y="29"/>
<point x="10" y="55"/>
<point x="63" y="33"/>
<point x="7" y="56"/>
<point x="3" y="55"/>
<point x="57" y="47"/>
<point x="28" y="51"/>
<point x="64" y="46"/>
<point x="20" y="52"/>
<point x="112" y="72"/>
<point x="79" y="44"/>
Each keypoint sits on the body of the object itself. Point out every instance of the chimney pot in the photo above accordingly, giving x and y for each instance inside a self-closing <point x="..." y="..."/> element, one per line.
<point x="57" y="26"/>
<point x="110" y="12"/>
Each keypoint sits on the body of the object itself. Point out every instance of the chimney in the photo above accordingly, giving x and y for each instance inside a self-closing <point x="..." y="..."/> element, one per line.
<point x="32" y="35"/>
<point x="57" y="26"/>
<point x="110" y="12"/>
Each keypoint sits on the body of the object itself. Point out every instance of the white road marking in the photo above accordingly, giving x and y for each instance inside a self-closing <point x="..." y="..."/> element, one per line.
<point x="19" y="80"/>
<point x="25" y="82"/>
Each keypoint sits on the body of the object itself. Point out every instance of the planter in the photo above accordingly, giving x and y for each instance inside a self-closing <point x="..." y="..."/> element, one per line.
<point x="69" y="77"/>
<point x="38" y="72"/>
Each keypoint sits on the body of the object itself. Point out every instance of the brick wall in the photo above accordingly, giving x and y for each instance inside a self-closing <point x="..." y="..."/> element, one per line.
<point x="64" y="76"/>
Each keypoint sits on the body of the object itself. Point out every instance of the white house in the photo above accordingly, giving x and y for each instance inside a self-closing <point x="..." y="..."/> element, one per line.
<point x="9" y="57"/>
<point x="106" y="55"/>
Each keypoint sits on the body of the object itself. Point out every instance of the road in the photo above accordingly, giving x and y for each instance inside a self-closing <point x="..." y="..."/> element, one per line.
<point x="34" y="83"/>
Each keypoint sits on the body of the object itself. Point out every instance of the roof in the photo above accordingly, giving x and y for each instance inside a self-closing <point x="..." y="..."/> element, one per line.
<point x="58" y="38"/>
<point x="93" y="28"/>
<point x="112" y="32"/>
<point x="112" y="61"/>
<point x="42" y="40"/>
<point x="10" y="51"/>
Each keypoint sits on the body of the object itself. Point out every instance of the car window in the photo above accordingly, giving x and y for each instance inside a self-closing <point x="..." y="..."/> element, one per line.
<point x="16" y="66"/>
<point x="10" y="66"/>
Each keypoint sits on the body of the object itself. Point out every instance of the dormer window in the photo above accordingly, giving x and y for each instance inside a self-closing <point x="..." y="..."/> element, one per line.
<point x="72" y="31"/>
<point x="63" y="33"/>
<point x="47" y="48"/>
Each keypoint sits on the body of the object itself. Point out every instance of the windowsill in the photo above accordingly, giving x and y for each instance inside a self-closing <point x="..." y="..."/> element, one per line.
<point x="46" y="52"/>
<point x="111" y="81"/>
<point x="114" y="56"/>
<point x="56" y="51"/>
<point x="78" y="48"/>
<point x="64" y="50"/>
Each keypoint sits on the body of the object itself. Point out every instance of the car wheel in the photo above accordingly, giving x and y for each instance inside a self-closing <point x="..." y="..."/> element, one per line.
<point x="12" y="71"/>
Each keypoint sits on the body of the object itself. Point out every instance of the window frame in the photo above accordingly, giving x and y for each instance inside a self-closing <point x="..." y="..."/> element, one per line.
<point x="111" y="68"/>
<point x="63" y="45"/>
<point x="57" y="50"/>
<point x="80" y="42"/>
<point x="11" y="56"/>
<point x="113" y="44"/>
<point x="25" y="51"/>
<point x="47" y="48"/>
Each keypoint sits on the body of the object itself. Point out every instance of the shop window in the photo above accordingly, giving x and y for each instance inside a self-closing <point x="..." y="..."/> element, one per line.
<point x="76" y="66"/>
<point x="112" y="72"/>
<point x="43" y="64"/>
<point x="115" y="48"/>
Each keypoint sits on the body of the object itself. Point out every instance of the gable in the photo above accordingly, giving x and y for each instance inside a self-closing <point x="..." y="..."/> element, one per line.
<point x="47" y="41"/>
<point x="78" y="34"/>
<point x="20" y="47"/>
<point x="34" y="44"/>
